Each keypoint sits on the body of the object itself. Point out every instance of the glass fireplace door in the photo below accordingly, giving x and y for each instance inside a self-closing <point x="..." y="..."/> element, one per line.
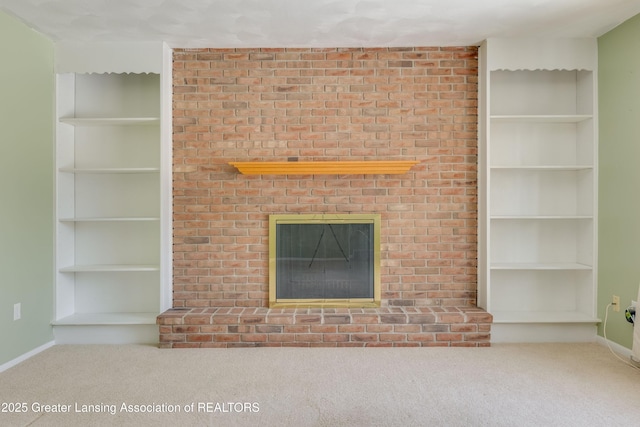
<point x="325" y="259"/>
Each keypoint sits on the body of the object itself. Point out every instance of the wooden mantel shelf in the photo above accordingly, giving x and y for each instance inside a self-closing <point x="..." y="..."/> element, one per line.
<point x="377" y="167"/>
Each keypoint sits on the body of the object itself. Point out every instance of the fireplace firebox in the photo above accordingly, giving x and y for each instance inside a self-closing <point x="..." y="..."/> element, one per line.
<point x="326" y="260"/>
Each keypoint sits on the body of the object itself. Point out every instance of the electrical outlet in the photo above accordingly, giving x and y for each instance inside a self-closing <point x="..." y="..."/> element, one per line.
<point x="17" y="311"/>
<point x="616" y="303"/>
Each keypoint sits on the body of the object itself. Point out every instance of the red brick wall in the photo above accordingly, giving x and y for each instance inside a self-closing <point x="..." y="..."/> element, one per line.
<point x="325" y="104"/>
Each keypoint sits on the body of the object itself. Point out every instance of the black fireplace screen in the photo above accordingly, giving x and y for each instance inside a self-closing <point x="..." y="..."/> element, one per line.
<point x="324" y="261"/>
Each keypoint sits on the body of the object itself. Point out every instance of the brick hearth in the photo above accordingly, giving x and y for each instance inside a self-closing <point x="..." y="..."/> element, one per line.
<point x="316" y="327"/>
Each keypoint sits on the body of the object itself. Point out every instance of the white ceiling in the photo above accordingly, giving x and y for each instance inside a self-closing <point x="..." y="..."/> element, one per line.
<point x="318" y="23"/>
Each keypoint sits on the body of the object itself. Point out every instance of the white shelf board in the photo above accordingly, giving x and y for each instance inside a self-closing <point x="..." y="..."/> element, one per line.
<point x="543" y="167"/>
<point x="540" y="217"/>
<point x="109" y="219"/>
<point x="109" y="170"/>
<point x="542" y="317"/>
<point x="545" y="118"/>
<point x="109" y="121"/>
<point x="538" y="266"/>
<point x="108" y="268"/>
<point x="83" y="319"/>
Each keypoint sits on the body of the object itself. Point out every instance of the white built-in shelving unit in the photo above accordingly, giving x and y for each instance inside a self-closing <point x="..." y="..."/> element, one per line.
<point x="112" y="194"/>
<point x="538" y="188"/>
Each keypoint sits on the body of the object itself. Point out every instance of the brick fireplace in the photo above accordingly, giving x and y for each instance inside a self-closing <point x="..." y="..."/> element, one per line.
<point x="317" y="105"/>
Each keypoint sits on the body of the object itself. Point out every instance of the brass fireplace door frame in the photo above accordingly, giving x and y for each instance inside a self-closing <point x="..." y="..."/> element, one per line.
<point x="324" y="219"/>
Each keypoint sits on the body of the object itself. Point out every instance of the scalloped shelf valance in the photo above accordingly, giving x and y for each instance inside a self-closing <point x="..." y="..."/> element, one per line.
<point x="366" y="167"/>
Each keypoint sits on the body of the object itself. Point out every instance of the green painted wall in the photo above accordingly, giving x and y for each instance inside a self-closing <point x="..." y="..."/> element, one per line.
<point x="26" y="187"/>
<point x="619" y="179"/>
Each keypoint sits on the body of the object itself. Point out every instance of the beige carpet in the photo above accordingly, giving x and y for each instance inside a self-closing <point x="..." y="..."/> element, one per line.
<point x="505" y="385"/>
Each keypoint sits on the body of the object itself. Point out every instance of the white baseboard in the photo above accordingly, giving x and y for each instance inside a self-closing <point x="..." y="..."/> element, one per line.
<point x="26" y="356"/>
<point x="542" y="332"/>
<point x="617" y="348"/>
<point x="106" y="334"/>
